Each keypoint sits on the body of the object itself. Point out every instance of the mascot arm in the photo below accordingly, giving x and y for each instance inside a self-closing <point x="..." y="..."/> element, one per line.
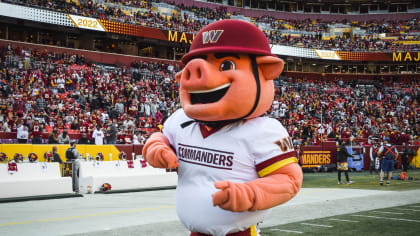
<point x="260" y="194"/>
<point x="157" y="151"/>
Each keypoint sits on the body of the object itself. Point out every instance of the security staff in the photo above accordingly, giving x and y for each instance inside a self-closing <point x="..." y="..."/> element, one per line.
<point x="388" y="153"/>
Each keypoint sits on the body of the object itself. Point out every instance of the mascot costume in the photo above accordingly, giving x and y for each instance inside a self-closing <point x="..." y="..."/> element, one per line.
<point x="233" y="163"/>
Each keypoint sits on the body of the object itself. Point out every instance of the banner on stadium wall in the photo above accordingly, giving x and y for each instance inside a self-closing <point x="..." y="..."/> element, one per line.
<point x="314" y="156"/>
<point x="327" y="54"/>
<point x="86" y="22"/>
<point x="69" y="20"/>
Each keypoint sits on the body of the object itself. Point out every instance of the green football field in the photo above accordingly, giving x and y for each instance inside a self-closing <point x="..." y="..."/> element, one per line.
<point x="363" y="180"/>
<point x="402" y="220"/>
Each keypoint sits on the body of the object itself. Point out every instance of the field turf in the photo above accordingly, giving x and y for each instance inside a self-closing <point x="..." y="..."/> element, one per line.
<point x="401" y="220"/>
<point x="363" y="180"/>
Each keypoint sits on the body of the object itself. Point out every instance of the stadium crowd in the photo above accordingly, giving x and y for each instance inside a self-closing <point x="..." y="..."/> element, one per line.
<point x="305" y="33"/>
<point x="42" y="91"/>
<point x="50" y="92"/>
<point x="314" y="111"/>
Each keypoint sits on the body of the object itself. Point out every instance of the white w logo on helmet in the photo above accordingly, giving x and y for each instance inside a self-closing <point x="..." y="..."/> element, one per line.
<point x="211" y="36"/>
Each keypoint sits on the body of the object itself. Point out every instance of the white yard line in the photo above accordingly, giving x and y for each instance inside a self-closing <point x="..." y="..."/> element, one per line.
<point x="326" y="226"/>
<point x="387" y="218"/>
<point x="353" y="221"/>
<point x="410" y="209"/>
<point x="387" y="212"/>
<point x="287" y="231"/>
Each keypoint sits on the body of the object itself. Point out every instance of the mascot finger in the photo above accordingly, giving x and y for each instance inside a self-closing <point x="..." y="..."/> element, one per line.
<point x="220" y="197"/>
<point x="162" y="157"/>
<point x="239" y="196"/>
<point x="222" y="184"/>
<point x="158" y="152"/>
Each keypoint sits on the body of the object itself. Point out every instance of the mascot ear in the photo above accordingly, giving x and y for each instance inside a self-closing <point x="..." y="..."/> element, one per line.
<point x="270" y="66"/>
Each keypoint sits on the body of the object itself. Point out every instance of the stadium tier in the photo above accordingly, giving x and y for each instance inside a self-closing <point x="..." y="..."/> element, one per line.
<point x="346" y="32"/>
<point x="75" y="65"/>
<point x="46" y="90"/>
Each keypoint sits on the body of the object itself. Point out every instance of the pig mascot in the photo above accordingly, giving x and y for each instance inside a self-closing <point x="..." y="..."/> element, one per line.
<point x="233" y="163"/>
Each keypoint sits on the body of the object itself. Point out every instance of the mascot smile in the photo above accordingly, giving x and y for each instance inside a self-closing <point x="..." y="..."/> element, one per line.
<point x="233" y="163"/>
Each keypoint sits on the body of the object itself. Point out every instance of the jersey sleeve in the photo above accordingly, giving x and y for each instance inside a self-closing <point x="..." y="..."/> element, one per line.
<point x="272" y="148"/>
<point x="170" y="126"/>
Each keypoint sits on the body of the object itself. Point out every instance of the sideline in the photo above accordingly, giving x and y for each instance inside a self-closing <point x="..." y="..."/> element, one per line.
<point x="86" y="216"/>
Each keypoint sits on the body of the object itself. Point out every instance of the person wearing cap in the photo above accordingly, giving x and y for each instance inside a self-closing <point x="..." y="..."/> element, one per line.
<point x="389" y="154"/>
<point x="71" y="152"/>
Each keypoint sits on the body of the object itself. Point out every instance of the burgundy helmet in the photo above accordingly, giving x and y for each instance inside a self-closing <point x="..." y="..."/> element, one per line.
<point x="99" y="156"/>
<point x="48" y="156"/>
<point x="3" y="157"/>
<point x="229" y="36"/>
<point x="32" y="157"/>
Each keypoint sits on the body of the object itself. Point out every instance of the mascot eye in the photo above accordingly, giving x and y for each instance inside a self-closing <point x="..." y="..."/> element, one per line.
<point x="227" y="65"/>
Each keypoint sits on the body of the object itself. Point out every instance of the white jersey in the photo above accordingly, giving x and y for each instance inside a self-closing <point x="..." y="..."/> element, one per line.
<point x="98" y="135"/>
<point x="240" y="153"/>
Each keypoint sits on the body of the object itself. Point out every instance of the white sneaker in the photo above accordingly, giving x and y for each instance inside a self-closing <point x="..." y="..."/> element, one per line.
<point x="339" y="182"/>
<point x="350" y="182"/>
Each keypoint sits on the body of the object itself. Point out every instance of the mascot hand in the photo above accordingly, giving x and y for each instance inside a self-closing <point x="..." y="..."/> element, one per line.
<point x="158" y="153"/>
<point x="263" y="193"/>
<point x="235" y="197"/>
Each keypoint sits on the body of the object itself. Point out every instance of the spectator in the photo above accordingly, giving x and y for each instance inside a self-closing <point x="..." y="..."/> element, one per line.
<point x="40" y="104"/>
<point x="119" y="106"/>
<point x="36" y="132"/>
<point x="98" y="135"/>
<point x="84" y="139"/>
<point x="22" y="132"/>
<point x="111" y="133"/>
<point x="53" y="137"/>
<point x="64" y="138"/>
<point x="136" y="138"/>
